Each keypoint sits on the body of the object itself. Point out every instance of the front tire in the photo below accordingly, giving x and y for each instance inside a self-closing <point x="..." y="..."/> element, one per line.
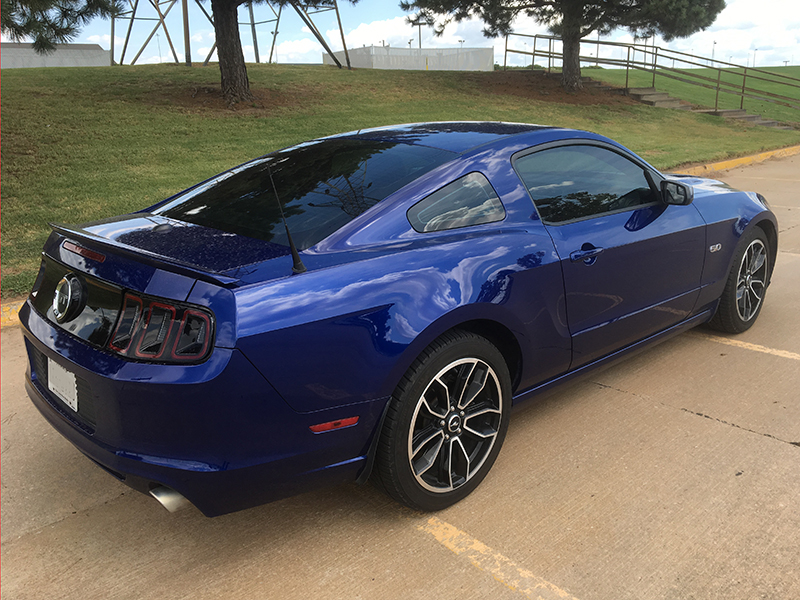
<point x="746" y="287"/>
<point x="445" y="423"/>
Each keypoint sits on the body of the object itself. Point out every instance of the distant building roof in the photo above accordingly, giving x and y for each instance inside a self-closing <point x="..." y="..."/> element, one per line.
<point x="16" y="55"/>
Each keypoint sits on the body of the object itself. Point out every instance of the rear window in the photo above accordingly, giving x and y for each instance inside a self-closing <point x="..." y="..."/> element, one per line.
<point x="322" y="186"/>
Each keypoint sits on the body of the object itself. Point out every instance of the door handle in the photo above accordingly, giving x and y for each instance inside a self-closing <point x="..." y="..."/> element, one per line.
<point x="587" y="255"/>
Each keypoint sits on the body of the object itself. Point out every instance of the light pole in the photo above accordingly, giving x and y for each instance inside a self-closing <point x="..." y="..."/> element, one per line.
<point x="419" y="22"/>
<point x="462" y="43"/>
<point x="754" y="57"/>
<point x="597" y="61"/>
<point x="713" y="47"/>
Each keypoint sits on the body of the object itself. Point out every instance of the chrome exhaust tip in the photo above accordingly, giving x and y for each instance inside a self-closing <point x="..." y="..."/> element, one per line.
<point x="169" y="498"/>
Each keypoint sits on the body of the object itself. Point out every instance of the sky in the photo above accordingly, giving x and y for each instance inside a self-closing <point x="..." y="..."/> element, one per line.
<point x="764" y="31"/>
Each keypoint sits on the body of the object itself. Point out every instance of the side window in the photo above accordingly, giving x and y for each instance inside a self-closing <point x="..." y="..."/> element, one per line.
<point x="576" y="182"/>
<point x="470" y="200"/>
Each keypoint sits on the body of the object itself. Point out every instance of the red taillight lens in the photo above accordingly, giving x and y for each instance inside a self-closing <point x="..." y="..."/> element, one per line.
<point x="153" y="329"/>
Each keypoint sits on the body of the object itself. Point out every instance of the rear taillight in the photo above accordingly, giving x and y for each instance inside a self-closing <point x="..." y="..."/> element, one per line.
<point x="162" y="331"/>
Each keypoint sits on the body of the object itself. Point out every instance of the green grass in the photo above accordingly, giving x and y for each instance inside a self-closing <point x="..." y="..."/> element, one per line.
<point x="706" y="97"/>
<point x="86" y="143"/>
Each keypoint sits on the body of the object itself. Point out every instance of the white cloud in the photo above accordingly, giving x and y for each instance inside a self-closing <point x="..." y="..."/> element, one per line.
<point x="152" y="60"/>
<point x="767" y="33"/>
<point x="303" y="50"/>
<point x="201" y="53"/>
<point x="105" y="41"/>
<point x="204" y="36"/>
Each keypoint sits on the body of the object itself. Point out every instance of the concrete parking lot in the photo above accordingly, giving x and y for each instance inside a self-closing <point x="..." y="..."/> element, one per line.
<point x="674" y="475"/>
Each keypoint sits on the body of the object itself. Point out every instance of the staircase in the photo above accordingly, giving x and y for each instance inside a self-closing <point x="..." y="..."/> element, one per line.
<point x="652" y="97"/>
<point x="741" y="115"/>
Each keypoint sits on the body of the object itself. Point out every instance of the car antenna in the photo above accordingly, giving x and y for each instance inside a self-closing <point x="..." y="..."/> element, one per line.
<point x="298" y="266"/>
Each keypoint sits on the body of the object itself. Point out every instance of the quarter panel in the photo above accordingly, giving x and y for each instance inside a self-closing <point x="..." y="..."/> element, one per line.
<point x="347" y="334"/>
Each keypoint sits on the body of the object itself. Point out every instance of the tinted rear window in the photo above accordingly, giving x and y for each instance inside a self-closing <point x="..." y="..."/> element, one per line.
<point x="322" y="186"/>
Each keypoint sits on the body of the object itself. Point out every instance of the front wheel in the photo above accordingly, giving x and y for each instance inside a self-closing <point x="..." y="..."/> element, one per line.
<point x="746" y="287"/>
<point x="445" y="423"/>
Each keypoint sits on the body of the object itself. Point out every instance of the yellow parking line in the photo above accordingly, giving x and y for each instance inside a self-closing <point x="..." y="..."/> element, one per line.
<point x="747" y="346"/>
<point x="8" y="313"/>
<point x="484" y="558"/>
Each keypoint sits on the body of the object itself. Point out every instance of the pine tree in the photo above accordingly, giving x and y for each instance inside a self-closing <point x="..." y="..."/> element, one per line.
<point x="51" y="22"/>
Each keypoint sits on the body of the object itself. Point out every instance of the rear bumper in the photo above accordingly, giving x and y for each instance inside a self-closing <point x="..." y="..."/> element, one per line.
<point x="217" y="433"/>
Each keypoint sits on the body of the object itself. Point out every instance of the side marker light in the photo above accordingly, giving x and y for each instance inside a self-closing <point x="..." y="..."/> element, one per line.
<point x="331" y="425"/>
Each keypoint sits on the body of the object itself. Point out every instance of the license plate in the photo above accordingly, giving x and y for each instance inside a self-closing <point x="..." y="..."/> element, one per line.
<point x="62" y="383"/>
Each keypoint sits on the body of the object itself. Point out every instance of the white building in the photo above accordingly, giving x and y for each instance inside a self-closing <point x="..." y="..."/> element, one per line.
<point x="21" y="56"/>
<point x="417" y="59"/>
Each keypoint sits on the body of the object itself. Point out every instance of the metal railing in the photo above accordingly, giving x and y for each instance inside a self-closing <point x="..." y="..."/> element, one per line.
<point x="730" y="78"/>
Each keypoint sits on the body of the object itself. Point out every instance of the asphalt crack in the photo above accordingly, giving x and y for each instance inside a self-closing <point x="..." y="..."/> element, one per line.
<point x="621" y="391"/>
<point x="761" y="433"/>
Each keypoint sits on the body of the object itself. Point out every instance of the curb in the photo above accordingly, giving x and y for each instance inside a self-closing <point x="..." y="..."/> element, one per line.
<point x="740" y="162"/>
<point x="8" y="313"/>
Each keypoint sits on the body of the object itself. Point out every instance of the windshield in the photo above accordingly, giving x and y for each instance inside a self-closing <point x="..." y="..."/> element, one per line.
<point x="322" y="185"/>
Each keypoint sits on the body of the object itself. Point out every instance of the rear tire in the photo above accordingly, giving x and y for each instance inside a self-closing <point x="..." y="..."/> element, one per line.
<point x="741" y="302"/>
<point x="445" y="423"/>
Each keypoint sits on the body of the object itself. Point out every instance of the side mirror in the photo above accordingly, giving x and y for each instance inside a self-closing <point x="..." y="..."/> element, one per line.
<point x="675" y="192"/>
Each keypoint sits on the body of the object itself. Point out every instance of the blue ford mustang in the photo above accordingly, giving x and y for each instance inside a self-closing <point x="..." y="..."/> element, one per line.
<point x="371" y="305"/>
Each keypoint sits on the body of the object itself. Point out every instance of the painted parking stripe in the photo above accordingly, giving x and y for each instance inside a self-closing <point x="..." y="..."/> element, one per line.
<point x="503" y="569"/>
<point x="747" y="346"/>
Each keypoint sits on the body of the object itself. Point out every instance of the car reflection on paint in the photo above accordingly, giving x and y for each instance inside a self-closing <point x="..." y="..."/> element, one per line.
<point x="370" y="305"/>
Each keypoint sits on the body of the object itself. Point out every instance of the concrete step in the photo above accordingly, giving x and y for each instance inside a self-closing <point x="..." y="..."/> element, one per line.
<point x="650" y="98"/>
<point x="668" y="103"/>
<point x="744" y="117"/>
<point x="648" y="95"/>
<point x="641" y="90"/>
<point x="730" y="112"/>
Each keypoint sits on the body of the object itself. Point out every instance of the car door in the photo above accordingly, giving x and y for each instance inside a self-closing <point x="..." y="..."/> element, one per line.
<point x="631" y="264"/>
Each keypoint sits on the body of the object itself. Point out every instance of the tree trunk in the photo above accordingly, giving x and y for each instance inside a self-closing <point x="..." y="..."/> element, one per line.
<point x="235" y="85"/>
<point x="571" y="42"/>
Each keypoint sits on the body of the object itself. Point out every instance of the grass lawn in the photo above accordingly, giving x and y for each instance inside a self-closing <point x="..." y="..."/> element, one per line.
<point x="81" y="144"/>
<point x="705" y="97"/>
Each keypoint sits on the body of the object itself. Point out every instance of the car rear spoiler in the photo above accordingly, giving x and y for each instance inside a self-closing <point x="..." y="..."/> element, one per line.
<point x="154" y="259"/>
